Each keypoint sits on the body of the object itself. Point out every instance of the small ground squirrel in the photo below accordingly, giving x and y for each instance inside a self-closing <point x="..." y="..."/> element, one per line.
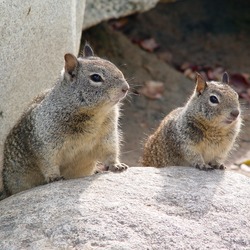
<point x="201" y="133"/>
<point x="69" y="128"/>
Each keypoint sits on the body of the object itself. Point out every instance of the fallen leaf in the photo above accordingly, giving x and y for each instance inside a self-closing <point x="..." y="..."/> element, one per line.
<point x="190" y="73"/>
<point x="244" y="96"/>
<point x="240" y="82"/>
<point x="152" y="89"/>
<point x="247" y="162"/>
<point x="149" y="44"/>
<point x="214" y="74"/>
<point x="195" y="67"/>
<point x="247" y="77"/>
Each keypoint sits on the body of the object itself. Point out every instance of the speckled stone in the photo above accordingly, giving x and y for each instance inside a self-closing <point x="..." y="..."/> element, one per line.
<point x="142" y="208"/>
<point x="100" y="10"/>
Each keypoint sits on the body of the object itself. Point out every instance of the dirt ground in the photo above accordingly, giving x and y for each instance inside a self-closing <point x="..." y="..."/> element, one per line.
<point x="196" y="32"/>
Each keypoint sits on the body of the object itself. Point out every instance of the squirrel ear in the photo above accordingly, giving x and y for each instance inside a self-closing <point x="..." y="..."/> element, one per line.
<point x="70" y="63"/>
<point x="225" y="78"/>
<point x="200" y="84"/>
<point x="88" y="50"/>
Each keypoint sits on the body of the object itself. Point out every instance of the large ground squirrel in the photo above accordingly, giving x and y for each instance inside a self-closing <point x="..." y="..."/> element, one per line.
<point x="68" y="129"/>
<point x="200" y="134"/>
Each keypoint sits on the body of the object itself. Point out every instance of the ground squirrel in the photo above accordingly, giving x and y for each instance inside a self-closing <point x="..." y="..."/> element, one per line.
<point x="68" y="129"/>
<point x="201" y="133"/>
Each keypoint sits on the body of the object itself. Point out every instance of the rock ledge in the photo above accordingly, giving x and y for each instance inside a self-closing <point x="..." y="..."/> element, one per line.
<point x="142" y="208"/>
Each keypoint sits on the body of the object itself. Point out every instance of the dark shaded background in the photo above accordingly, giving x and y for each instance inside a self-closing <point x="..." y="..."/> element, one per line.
<point x="205" y="34"/>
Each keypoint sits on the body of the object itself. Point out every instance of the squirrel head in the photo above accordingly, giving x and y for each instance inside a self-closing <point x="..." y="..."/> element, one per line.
<point x="91" y="81"/>
<point x="215" y="102"/>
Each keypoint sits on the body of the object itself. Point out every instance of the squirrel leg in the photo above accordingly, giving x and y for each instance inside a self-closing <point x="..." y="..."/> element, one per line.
<point x="196" y="160"/>
<point x="111" y="151"/>
<point x="117" y="167"/>
<point x="112" y="162"/>
<point x="51" y="172"/>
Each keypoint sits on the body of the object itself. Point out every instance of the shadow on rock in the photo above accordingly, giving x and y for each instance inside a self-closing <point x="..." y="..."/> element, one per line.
<point x="189" y="192"/>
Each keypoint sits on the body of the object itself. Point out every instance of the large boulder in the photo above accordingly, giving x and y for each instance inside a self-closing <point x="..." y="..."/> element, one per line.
<point x="142" y="208"/>
<point x="100" y="10"/>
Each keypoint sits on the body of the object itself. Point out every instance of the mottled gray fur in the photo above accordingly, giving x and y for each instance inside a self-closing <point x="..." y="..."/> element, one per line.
<point x="69" y="128"/>
<point x="200" y="134"/>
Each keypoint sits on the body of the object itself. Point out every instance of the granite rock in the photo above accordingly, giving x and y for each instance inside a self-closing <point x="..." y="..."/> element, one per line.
<point x="142" y="208"/>
<point x="101" y="10"/>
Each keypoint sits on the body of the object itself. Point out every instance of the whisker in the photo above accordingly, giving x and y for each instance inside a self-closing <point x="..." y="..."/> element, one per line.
<point x="130" y="151"/>
<point x="122" y="65"/>
<point x="136" y="86"/>
<point x="129" y="100"/>
<point x="132" y="78"/>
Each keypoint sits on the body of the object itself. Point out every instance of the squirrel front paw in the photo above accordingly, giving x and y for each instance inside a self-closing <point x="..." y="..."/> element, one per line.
<point x="205" y="167"/>
<point x="217" y="166"/>
<point x="54" y="178"/>
<point x="117" y="167"/>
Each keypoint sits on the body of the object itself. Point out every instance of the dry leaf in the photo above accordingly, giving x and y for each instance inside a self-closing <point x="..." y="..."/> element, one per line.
<point x="152" y="89"/>
<point x="240" y="82"/>
<point x="245" y="96"/>
<point x="247" y="162"/>
<point x="190" y="73"/>
<point x="214" y="73"/>
<point x="149" y="44"/>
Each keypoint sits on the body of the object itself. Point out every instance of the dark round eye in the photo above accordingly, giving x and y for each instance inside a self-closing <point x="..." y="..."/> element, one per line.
<point x="214" y="99"/>
<point x="96" y="78"/>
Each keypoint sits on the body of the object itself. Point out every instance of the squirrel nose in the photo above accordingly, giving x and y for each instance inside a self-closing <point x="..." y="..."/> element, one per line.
<point x="234" y="113"/>
<point x="125" y="88"/>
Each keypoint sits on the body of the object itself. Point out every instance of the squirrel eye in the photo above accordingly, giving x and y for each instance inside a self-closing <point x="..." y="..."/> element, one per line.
<point x="96" y="78"/>
<point x="214" y="99"/>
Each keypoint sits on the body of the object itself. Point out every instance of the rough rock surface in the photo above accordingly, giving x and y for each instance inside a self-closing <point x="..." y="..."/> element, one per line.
<point x="100" y="10"/>
<point x="142" y="208"/>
